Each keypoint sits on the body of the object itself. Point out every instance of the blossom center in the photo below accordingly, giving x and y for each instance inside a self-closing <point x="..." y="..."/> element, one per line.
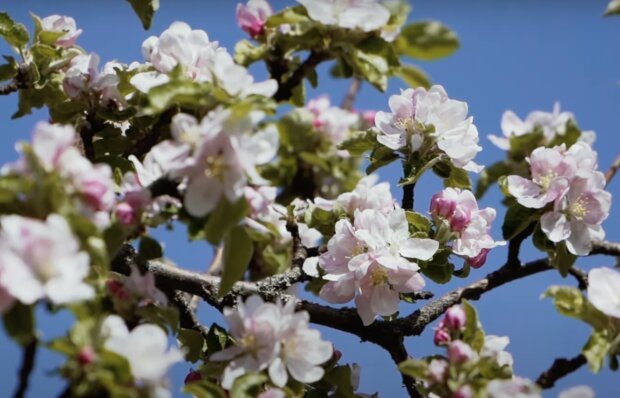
<point x="406" y="124"/>
<point x="545" y="180"/>
<point x="579" y="208"/>
<point x="215" y="166"/>
<point x="45" y="271"/>
<point x="379" y="276"/>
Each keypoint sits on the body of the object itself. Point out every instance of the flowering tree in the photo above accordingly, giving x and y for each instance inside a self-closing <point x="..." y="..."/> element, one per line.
<point x="190" y="136"/>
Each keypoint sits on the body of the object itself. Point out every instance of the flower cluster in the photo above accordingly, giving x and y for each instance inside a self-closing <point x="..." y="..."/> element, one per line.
<point x="41" y="260"/>
<point x="146" y="350"/>
<point x="200" y="59"/>
<point x="426" y="121"/>
<point x="568" y="179"/>
<point x="272" y="337"/>
<point x="369" y="259"/>
<point x="136" y="290"/>
<point x="458" y="217"/>
<point x="332" y="121"/>
<point x="82" y="80"/>
<point x="92" y="185"/>
<point x="216" y="157"/>
<point x="552" y="124"/>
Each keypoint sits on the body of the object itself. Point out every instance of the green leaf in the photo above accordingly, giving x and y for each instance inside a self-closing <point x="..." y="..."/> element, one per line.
<point x="178" y="92"/>
<point x="7" y="71"/>
<point x="374" y="60"/>
<point x="613" y="8"/>
<point x="296" y="131"/>
<point x="458" y="178"/>
<point x="570" y="301"/>
<point x="360" y="142"/>
<point x="517" y="219"/>
<point x="489" y="175"/>
<point x="248" y="386"/>
<point x="595" y="351"/>
<point x="150" y="248"/>
<point x="415" y="368"/>
<point x="217" y="339"/>
<point x="439" y="268"/>
<point x="204" y="389"/>
<point x="145" y="10"/>
<point x="522" y="145"/>
<point x="224" y="217"/>
<point x="19" y="323"/>
<point x="418" y="221"/>
<point x="14" y="33"/>
<point x="246" y="53"/>
<point x="414" y="76"/>
<point x="380" y="156"/>
<point x="193" y="342"/>
<point x="238" y="250"/>
<point x="473" y="333"/>
<point x="428" y="40"/>
<point x="562" y="259"/>
<point x="571" y="135"/>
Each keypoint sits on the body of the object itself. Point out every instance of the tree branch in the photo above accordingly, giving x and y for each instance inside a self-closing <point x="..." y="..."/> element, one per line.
<point x="560" y="368"/>
<point x="514" y="246"/>
<point x="349" y="99"/>
<point x="188" y="319"/>
<point x="285" y="88"/>
<point x="613" y="169"/>
<point x="29" y="356"/>
<point x="408" y="199"/>
<point x="606" y="248"/>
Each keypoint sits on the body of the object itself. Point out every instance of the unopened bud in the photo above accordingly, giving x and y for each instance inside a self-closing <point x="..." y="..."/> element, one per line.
<point x="459" y="352"/>
<point x="455" y="318"/>
<point x="86" y="356"/>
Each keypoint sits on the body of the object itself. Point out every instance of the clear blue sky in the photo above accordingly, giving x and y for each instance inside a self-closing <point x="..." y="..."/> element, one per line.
<point x="516" y="54"/>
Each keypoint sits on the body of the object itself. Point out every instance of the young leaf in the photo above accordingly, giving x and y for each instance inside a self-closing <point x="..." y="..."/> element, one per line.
<point x="595" y="351"/>
<point x="428" y="40"/>
<point x="145" y="10"/>
<point x="517" y="219"/>
<point x="248" y="385"/>
<point x="238" y="249"/>
<point x="414" y="76"/>
<point x="150" y="248"/>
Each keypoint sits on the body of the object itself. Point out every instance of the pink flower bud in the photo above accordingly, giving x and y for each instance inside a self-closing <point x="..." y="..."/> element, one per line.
<point x="443" y="204"/>
<point x="317" y="123"/>
<point x="192" y="376"/>
<point x="455" y="318"/>
<point x="463" y="392"/>
<point x="369" y="117"/>
<point x="337" y="355"/>
<point x="116" y="289"/>
<point x="86" y="356"/>
<point x="125" y="214"/>
<point x="251" y="17"/>
<point x="441" y="337"/>
<point x="479" y="260"/>
<point x="460" y="219"/>
<point x="94" y="193"/>
<point x="459" y="352"/>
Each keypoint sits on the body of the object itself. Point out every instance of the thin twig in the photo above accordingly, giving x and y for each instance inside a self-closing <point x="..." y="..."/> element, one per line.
<point x="560" y="368"/>
<point x="613" y="169"/>
<point x="29" y="356"/>
<point x="349" y="99"/>
<point x="188" y="319"/>
<point x="514" y="246"/>
<point x="605" y="247"/>
<point x="285" y="88"/>
<point x="408" y="199"/>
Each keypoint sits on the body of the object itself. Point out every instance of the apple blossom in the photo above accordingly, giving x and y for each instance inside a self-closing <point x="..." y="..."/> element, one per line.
<point x="469" y="224"/>
<point x="369" y="261"/>
<point x="551" y="124"/>
<point x="82" y="78"/>
<point x="272" y="337"/>
<point x="218" y="156"/>
<point x="368" y="195"/>
<point x="494" y="347"/>
<point x="61" y="23"/>
<point x="201" y="61"/>
<point x="604" y="290"/>
<point x="146" y="349"/>
<point x="366" y="15"/>
<point x="437" y="370"/>
<point x="577" y="216"/>
<point x="551" y="172"/>
<point x="42" y="259"/>
<point x="251" y="17"/>
<point x="421" y="119"/>
<point x="441" y="336"/>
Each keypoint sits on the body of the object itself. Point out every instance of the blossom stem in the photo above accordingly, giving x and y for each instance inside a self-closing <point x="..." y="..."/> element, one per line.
<point x="29" y="356"/>
<point x="613" y="169"/>
<point x="560" y="368"/>
<point x="408" y="196"/>
<point x="349" y="99"/>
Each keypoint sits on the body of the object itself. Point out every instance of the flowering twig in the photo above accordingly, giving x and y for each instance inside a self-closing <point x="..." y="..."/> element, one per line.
<point x="560" y="368"/>
<point x="30" y="353"/>
<point x="613" y="169"/>
<point x="285" y="88"/>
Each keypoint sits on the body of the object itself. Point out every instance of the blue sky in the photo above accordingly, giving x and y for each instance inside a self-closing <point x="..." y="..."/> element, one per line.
<point x="516" y="54"/>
